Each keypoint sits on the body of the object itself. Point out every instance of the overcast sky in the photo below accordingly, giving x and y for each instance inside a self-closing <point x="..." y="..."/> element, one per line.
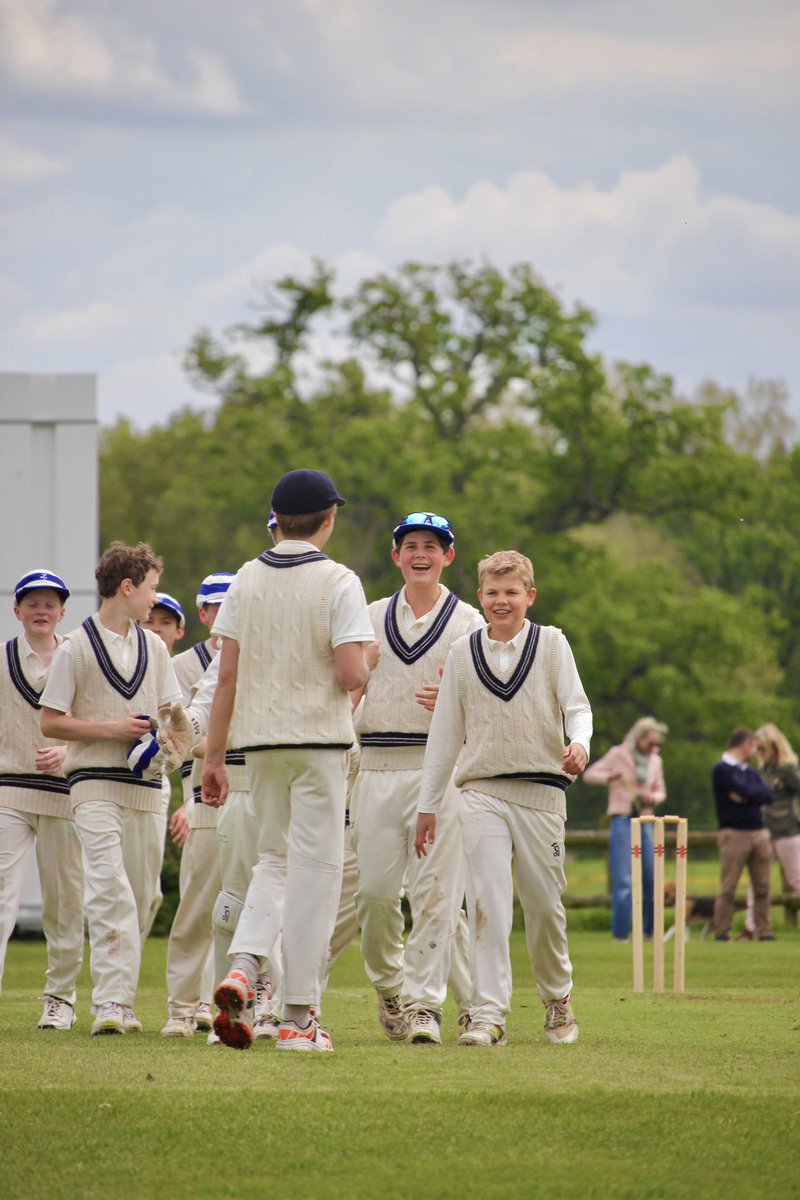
<point x="161" y="159"/>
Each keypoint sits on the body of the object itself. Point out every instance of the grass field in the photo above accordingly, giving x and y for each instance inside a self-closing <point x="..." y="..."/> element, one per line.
<point x="692" y="1096"/>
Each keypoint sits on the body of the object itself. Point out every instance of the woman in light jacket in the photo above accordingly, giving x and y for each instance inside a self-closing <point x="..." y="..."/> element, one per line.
<point x="634" y="775"/>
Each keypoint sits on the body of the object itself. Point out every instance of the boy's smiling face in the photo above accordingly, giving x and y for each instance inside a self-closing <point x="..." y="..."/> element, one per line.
<point x="505" y="601"/>
<point x="140" y="598"/>
<point x="422" y="557"/>
<point x="164" y="623"/>
<point x="40" y="611"/>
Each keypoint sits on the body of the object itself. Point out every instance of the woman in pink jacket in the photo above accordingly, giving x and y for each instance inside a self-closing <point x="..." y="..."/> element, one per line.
<point x="634" y="775"/>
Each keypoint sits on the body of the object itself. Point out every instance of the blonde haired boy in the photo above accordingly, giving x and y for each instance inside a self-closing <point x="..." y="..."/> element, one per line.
<point x="508" y="696"/>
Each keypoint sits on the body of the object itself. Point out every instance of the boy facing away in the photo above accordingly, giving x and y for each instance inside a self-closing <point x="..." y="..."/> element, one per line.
<point x="295" y="629"/>
<point x="34" y="797"/>
<point x="508" y="695"/>
<point x="107" y="681"/>
<point x="415" y="628"/>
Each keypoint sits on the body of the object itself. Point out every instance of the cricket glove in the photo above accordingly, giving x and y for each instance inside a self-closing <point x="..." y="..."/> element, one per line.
<point x="177" y="736"/>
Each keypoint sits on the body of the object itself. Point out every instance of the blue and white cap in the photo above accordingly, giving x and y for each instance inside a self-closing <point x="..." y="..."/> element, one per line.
<point x="213" y="588"/>
<point x="272" y="520"/>
<point x="41" y="579"/>
<point x="164" y="600"/>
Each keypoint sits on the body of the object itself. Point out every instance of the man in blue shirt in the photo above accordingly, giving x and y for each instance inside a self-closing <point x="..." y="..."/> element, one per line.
<point x="742" y="840"/>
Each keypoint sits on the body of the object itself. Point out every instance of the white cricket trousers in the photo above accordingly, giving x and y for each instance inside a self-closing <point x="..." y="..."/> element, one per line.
<point x="299" y="802"/>
<point x="119" y="894"/>
<point x="58" y="856"/>
<point x="384" y="815"/>
<point x="496" y="834"/>
<point x="189" y="980"/>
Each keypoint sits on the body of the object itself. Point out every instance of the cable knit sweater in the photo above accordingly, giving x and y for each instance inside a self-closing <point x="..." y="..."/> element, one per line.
<point x="22" y="787"/>
<point x="287" y="693"/>
<point x="99" y="770"/>
<point x="391" y="725"/>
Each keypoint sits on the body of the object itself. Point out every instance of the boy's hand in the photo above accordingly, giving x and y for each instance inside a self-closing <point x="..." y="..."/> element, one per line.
<point x="50" y="759"/>
<point x="179" y="826"/>
<point x="132" y="727"/>
<point x="426" y="833"/>
<point x="372" y="653"/>
<point x="428" y="695"/>
<point x="575" y="759"/>
<point x="214" y="790"/>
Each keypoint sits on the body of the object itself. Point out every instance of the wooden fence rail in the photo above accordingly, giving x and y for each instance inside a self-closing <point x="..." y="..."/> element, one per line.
<point x="597" y="839"/>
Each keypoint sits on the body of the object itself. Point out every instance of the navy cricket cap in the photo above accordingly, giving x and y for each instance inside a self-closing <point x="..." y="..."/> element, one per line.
<point x="164" y="600"/>
<point x="425" y="522"/>
<point x="300" y="492"/>
<point x="41" y="579"/>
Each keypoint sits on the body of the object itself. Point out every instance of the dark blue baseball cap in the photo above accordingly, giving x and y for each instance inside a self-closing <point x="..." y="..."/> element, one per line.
<point x="304" y="491"/>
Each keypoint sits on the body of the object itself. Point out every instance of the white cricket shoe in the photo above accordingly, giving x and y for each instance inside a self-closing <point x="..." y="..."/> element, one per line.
<point x="58" y="1014"/>
<point x="179" y="1027"/>
<point x="110" y="1019"/>
<point x="292" y="1037"/>
<point x="392" y="1017"/>
<point x="560" y="1026"/>
<point x="267" y="1026"/>
<point x="203" y="1018"/>
<point x="129" y="1020"/>
<point x="481" y="1033"/>
<point x="422" y="1028"/>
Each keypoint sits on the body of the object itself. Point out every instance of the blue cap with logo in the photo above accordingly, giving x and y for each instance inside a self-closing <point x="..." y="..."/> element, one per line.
<point x="424" y="522"/>
<point x="34" y="580"/>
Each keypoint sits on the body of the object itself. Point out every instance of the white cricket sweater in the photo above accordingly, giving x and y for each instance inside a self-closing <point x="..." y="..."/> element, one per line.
<point x="392" y="727"/>
<point x="22" y="787"/>
<point x="287" y="693"/>
<point x="99" y="770"/>
<point x="190" y="666"/>
<point x="514" y="725"/>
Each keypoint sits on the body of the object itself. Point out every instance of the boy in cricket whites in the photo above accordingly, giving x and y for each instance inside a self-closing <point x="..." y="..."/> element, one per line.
<point x="415" y="627"/>
<point x="109" y="682"/>
<point x="34" y="797"/>
<point x="509" y="699"/>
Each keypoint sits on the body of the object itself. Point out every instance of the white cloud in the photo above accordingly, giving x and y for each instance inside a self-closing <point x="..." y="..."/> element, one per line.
<point x="49" y="51"/>
<point x="651" y="240"/>
<point x="88" y="325"/>
<point x="20" y="164"/>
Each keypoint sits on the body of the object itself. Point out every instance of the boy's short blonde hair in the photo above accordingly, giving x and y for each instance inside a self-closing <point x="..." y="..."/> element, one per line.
<point x="507" y="562"/>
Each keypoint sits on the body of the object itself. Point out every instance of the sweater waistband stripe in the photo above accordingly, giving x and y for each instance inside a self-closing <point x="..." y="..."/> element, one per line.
<point x="544" y="777"/>
<point x="111" y="775"/>
<point x="36" y="783"/>
<point x="393" y="739"/>
<point x="297" y="746"/>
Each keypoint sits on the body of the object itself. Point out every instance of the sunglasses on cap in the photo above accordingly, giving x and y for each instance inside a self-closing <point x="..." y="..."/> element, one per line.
<point x="423" y="521"/>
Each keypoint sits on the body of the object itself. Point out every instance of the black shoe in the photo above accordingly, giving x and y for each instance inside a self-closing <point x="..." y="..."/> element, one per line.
<point x="722" y="937"/>
<point x="767" y="937"/>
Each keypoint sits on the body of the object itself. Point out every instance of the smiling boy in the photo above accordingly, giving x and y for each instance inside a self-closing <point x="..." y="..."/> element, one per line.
<point x="415" y="627"/>
<point x="508" y="696"/>
<point x="106" y="681"/>
<point x="34" y="797"/>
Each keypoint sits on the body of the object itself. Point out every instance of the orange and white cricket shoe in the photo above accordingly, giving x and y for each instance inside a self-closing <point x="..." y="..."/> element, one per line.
<point x="235" y="1000"/>
<point x="312" y="1037"/>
